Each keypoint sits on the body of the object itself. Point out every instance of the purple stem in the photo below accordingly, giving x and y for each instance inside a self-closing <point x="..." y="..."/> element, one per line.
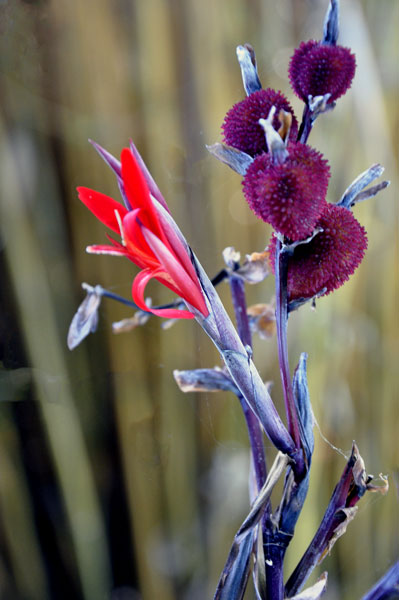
<point x="274" y="559"/>
<point x="274" y="552"/>
<point x="386" y="587"/>
<point x="256" y="441"/>
<point x="333" y="517"/>
<point x="118" y="298"/>
<point x="281" y="269"/>
<point x="237" y="288"/>
<point x="222" y="332"/>
<point x="306" y="125"/>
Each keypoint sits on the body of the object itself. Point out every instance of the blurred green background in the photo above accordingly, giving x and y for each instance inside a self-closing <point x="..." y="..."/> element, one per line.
<point x="113" y="483"/>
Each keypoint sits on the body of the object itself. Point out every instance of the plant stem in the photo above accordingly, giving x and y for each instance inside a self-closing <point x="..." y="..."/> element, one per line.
<point x="118" y="298"/>
<point x="273" y="551"/>
<point x="219" y="277"/>
<point x="333" y="517"/>
<point x="281" y="269"/>
<point x="237" y="288"/>
<point x="386" y="587"/>
<point x="274" y="558"/>
<point x="306" y="125"/>
<point x="219" y="327"/>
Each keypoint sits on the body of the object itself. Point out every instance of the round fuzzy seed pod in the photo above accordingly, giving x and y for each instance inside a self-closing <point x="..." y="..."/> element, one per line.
<point x="241" y="128"/>
<point x="289" y="196"/>
<point x="316" y="69"/>
<point x="329" y="259"/>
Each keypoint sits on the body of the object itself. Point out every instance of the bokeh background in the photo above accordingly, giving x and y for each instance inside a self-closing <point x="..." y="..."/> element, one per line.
<point x="113" y="483"/>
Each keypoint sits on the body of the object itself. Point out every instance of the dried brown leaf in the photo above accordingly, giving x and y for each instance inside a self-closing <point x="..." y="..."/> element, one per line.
<point x="262" y="319"/>
<point x="255" y="267"/>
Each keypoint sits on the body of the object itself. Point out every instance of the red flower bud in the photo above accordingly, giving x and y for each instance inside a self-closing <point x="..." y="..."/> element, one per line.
<point x="328" y="260"/>
<point x="317" y="69"/>
<point x="290" y="196"/>
<point x="241" y="128"/>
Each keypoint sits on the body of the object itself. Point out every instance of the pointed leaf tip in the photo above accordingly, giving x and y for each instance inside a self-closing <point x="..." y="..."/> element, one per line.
<point x="236" y="159"/>
<point x="330" y="29"/>
<point x="108" y="158"/>
<point x="85" y="319"/>
<point x="249" y="73"/>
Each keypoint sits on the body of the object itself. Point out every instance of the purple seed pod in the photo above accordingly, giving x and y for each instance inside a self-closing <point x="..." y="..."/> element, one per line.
<point x="241" y="127"/>
<point x="328" y="260"/>
<point x="317" y="69"/>
<point x="290" y="196"/>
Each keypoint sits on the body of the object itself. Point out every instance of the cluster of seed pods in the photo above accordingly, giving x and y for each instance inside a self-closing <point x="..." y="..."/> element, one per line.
<point x="285" y="180"/>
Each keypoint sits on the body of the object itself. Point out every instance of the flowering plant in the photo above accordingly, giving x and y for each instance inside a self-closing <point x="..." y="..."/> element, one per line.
<point x="315" y="247"/>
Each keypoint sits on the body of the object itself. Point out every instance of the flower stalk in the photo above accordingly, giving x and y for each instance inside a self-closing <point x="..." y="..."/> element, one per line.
<point x="274" y="565"/>
<point x="238" y="361"/>
<point x="237" y="289"/>
<point x="281" y="270"/>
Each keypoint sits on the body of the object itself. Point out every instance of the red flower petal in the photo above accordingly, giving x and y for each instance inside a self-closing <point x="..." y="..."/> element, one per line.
<point x="132" y="231"/>
<point x="102" y="206"/>
<point x="123" y="250"/>
<point x="176" y="244"/>
<point x="138" y="288"/>
<point x="115" y="242"/>
<point x="190" y="289"/>
<point x="152" y="186"/>
<point x="105" y="249"/>
<point x="136" y="244"/>
<point x="138" y="194"/>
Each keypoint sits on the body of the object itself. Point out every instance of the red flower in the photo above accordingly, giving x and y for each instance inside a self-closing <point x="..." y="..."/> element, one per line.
<point x="329" y="259"/>
<point x="150" y="239"/>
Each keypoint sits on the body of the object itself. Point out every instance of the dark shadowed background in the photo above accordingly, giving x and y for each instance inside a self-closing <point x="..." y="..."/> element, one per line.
<point x="113" y="483"/>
